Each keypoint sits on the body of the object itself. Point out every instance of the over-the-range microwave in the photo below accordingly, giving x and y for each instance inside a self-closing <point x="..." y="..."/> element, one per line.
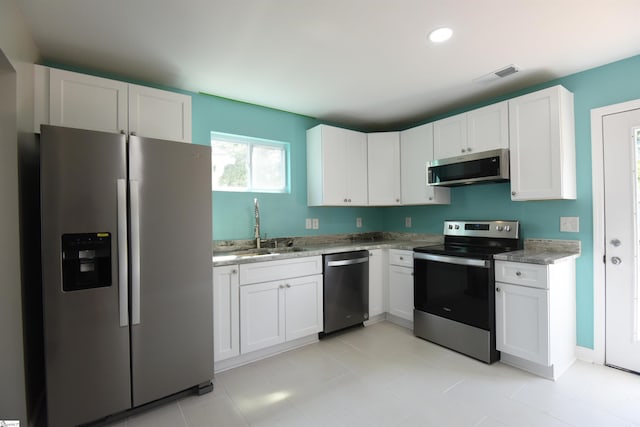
<point x="485" y="166"/>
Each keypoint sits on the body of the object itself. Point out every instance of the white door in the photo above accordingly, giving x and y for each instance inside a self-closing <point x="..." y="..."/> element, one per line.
<point x="621" y="134"/>
<point x="261" y="316"/>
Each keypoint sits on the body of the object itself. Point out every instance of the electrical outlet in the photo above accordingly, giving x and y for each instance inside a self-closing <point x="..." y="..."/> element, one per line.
<point x="307" y="223"/>
<point x="359" y="222"/>
<point x="315" y="223"/>
<point x="570" y="224"/>
<point x="407" y="222"/>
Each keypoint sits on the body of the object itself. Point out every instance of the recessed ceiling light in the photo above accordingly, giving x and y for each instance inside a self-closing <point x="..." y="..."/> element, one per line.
<point x="440" y="35"/>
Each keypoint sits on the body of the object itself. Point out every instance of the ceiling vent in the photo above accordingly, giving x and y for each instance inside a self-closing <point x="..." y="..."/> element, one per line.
<point x="499" y="74"/>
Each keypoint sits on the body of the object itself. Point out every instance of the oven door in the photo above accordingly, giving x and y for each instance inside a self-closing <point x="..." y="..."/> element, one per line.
<point x="456" y="288"/>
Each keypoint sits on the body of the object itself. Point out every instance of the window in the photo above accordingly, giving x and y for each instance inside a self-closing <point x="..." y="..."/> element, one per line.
<point x="240" y="163"/>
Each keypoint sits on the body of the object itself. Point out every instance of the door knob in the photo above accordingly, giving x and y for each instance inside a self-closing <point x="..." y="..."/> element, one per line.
<point x="615" y="242"/>
<point x="615" y="260"/>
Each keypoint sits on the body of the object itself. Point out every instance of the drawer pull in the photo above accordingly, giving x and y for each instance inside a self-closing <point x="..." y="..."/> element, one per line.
<point x="518" y="273"/>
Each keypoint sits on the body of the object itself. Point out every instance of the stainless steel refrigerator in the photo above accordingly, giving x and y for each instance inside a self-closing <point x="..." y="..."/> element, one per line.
<point x="127" y="275"/>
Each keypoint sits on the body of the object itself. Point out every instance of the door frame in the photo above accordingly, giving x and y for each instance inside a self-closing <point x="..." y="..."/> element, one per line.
<point x="599" y="244"/>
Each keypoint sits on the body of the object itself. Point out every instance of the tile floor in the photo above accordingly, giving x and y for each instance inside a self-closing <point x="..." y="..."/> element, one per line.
<point x="382" y="375"/>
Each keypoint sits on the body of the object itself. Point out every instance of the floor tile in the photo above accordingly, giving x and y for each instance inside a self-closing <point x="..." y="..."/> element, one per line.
<point x="382" y="375"/>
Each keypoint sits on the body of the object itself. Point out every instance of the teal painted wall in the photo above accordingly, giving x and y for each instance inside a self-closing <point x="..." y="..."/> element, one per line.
<point x="606" y="85"/>
<point x="284" y="214"/>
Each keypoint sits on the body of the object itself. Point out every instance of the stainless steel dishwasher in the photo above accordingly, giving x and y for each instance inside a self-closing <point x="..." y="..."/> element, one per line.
<point x="346" y="290"/>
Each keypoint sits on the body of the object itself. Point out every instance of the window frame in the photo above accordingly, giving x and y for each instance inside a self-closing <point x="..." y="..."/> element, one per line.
<point x="252" y="142"/>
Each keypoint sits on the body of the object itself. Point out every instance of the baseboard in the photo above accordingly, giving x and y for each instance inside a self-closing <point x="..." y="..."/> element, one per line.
<point x="587" y="355"/>
<point x="375" y="319"/>
<point x="400" y="321"/>
<point x="254" y="356"/>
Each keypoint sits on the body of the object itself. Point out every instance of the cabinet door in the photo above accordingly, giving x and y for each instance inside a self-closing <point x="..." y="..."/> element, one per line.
<point x="542" y="154"/>
<point x="522" y="322"/>
<point x="262" y="316"/>
<point x="416" y="150"/>
<point x="401" y="292"/>
<point x="303" y="306"/>
<point x="376" y="282"/>
<point x="87" y="102"/>
<point x="356" y="169"/>
<point x="334" y="165"/>
<point x="450" y="137"/>
<point x="383" y="166"/>
<point x="226" y="317"/>
<point x="488" y="127"/>
<point x="155" y="113"/>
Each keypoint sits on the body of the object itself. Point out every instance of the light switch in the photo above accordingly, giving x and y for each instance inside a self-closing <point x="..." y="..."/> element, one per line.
<point x="315" y="223"/>
<point x="307" y="223"/>
<point x="570" y="224"/>
<point x="407" y="222"/>
<point x="359" y="222"/>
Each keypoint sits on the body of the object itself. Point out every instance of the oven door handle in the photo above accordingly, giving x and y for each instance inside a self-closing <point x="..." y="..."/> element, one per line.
<point x="453" y="260"/>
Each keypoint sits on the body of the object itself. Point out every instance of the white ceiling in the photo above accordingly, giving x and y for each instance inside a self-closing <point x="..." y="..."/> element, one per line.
<point x="364" y="63"/>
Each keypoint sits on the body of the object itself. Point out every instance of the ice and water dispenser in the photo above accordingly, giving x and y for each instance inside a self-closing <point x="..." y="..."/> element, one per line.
<point x="86" y="261"/>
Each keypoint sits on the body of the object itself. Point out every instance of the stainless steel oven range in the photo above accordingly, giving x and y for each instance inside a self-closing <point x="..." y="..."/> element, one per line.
<point x="453" y="286"/>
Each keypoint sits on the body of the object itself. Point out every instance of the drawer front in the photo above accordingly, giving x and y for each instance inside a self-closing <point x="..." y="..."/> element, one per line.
<point x="518" y="273"/>
<point x="267" y="271"/>
<point x="400" y="257"/>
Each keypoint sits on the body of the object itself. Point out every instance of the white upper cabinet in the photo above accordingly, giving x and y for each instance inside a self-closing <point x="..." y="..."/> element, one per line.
<point x="65" y="98"/>
<point x="450" y="136"/>
<point x="542" y="154"/>
<point x="383" y="165"/>
<point x="87" y="102"/>
<point x="159" y="114"/>
<point x="483" y="129"/>
<point x="488" y="127"/>
<point x="336" y="167"/>
<point x="416" y="149"/>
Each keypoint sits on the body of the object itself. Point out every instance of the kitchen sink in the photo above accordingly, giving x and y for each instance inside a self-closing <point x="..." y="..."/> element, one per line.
<point x="255" y="252"/>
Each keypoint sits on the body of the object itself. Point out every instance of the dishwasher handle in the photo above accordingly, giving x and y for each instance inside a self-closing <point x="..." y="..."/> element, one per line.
<point x="347" y="262"/>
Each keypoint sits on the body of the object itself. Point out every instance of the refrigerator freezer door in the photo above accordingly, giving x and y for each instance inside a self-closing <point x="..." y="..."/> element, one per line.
<point x="86" y="349"/>
<point x="172" y="344"/>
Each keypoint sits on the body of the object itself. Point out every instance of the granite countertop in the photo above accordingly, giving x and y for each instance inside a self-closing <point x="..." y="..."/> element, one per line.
<point x="312" y="246"/>
<point x="539" y="251"/>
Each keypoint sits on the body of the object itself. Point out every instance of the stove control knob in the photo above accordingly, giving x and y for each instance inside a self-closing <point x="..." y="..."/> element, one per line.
<point x="499" y="227"/>
<point x="507" y="228"/>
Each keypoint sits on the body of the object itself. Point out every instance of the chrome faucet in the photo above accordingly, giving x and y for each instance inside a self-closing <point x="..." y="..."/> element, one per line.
<point x="256" y="233"/>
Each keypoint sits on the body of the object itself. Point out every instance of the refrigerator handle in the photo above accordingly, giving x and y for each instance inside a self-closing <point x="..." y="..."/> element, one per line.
<point x="123" y="271"/>
<point x="134" y="187"/>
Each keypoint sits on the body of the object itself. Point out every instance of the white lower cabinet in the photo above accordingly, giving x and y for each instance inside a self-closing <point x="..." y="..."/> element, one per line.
<point x="377" y="282"/>
<point x="283" y="309"/>
<point x="226" y="317"/>
<point x="536" y="316"/>
<point x="401" y="284"/>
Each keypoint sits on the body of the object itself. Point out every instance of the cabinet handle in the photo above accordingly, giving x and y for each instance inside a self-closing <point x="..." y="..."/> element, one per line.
<point x="513" y="193"/>
<point x="349" y="200"/>
<point x="518" y="273"/>
<point x="401" y="258"/>
<point x="468" y="149"/>
<point x="345" y="200"/>
<point x="398" y="200"/>
<point x="122" y="131"/>
<point x="133" y="134"/>
<point x="462" y="150"/>
<point x="430" y="198"/>
<point x="234" y="271"/>
<point x="281" y="286"/>
<point x="497" y="289"/>
<point x="287" y="285"/>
